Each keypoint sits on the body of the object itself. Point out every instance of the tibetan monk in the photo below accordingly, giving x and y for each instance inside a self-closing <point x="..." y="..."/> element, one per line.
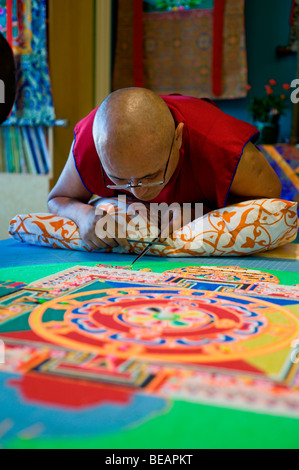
<point x="158" y="149"/>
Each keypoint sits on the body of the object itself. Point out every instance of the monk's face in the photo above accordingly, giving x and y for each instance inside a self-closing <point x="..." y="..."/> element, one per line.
<point x="140" y="160"/>
<point x="135" y="136"/>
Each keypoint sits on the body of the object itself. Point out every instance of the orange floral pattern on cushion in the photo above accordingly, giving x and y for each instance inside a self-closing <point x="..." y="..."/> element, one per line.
<point x="47" y="230"/>
<point x="241" y="229"/>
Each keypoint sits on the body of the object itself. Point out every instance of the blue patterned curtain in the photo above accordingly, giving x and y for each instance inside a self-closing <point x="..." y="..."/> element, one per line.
<point x="34" y="103"/>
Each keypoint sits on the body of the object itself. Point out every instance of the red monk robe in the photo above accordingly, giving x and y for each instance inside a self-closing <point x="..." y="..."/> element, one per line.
<point x="213" y="144"/>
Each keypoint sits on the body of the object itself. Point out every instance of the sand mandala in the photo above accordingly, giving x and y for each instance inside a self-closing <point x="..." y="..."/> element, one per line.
<point x="165" y="324"/>
<point x="104" y="337"/>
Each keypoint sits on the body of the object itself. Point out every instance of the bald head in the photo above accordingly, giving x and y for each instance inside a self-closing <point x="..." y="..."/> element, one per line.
<point x="131" y="123"/>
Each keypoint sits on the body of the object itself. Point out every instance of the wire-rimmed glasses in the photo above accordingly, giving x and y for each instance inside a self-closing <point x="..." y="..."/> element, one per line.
<point x="140" y="183"/>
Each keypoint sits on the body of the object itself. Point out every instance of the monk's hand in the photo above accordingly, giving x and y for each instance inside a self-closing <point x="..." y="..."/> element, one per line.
<point x="99" y="230"/>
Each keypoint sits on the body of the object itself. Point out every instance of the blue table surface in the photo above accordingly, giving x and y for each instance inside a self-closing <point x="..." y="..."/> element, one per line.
<point x="15" y="254"/>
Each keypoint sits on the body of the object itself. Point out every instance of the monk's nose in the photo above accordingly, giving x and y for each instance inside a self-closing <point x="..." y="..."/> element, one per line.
<point x="139" y="191"/>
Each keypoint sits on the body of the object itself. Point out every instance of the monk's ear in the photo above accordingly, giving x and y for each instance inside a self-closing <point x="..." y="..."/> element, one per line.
<point x="179" y="134"/>
<point x="7" y="79"/>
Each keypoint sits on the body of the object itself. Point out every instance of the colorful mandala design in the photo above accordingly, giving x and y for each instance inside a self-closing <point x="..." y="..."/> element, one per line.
<point x="165" y="324"/>
<point x="224" y="273"/>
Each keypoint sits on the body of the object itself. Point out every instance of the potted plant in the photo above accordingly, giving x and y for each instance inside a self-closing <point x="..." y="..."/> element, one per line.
<point x="266" y="111"/>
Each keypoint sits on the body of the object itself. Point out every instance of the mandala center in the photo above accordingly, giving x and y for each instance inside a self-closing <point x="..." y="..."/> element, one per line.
<point x="166" y="317"/>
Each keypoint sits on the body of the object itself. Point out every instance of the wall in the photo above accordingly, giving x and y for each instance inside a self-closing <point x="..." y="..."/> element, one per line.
<point x="267" y="26"/>
<point x="71" y="60"/>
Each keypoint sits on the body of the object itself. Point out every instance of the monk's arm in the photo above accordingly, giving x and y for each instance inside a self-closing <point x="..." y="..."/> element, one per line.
<point x="69" y="197"/>
<point x="254" y="178"/>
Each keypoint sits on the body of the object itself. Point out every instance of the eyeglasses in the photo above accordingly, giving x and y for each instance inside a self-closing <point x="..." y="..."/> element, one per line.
<point x="140" y="183"/>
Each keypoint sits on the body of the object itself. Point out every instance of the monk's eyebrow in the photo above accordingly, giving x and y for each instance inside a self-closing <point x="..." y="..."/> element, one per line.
<point x="123" y="179"/>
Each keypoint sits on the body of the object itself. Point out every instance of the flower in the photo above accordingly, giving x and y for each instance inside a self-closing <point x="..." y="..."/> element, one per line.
<point x="269" y="90"/>
<point x="270" y="107"/>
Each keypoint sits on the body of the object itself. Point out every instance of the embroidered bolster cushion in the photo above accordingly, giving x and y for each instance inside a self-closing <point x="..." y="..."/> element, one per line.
<point x="240" y="229"/>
